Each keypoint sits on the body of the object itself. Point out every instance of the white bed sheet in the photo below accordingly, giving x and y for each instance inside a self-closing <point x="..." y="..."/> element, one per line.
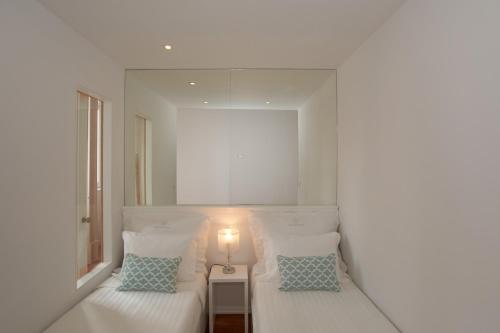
<point x="107" y="310"/>
<point x="348" y="311"/>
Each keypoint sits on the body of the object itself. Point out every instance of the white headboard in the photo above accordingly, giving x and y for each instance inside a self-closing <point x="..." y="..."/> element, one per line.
<point x="219" y="216"/>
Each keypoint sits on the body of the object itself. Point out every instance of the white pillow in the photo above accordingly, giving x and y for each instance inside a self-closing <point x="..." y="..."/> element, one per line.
<point x="293" y="223"/>
<point x="196" y="227"/>
<point x="299" y="246"/>
<point x="164" y="246"/>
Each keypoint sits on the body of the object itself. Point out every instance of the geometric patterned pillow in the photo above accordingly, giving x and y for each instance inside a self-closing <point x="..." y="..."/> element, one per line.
<point x="149" y="274"/>
<point x="308" y="273"/>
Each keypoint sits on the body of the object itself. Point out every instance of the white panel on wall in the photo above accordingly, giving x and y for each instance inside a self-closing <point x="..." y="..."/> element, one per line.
<point x="318" y="146"/>
<point x="237" y="157"/>
<point x="202" y="157"/>
<point x="264" y="157"/>
<point x="141" y="100"/>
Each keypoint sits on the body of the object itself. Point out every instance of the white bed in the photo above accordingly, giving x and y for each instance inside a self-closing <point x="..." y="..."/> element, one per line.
<point x="107" y="310"/>
<point x="348" y="311"/>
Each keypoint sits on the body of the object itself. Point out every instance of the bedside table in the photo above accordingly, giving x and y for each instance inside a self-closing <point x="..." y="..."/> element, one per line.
<point x="216" y="276"/>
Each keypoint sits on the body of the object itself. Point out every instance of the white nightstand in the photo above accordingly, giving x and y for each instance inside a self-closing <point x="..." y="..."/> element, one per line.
<point x="216" y="276"/>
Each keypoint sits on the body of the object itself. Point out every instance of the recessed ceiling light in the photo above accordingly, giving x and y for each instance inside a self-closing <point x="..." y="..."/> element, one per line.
<point x="192" y="83"/>
<point x="205" y="102"/>
<point x="168" y="47"/>
<point x="267" y="102"/>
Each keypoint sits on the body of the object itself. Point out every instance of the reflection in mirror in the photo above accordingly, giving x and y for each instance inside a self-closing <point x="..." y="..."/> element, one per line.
<point x="142" y="137"/>
<point x="230" y="137"/>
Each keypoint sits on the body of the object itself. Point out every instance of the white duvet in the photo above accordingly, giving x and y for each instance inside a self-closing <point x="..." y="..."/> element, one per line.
<point x="348" y="311"/>
<point x="107" y="310"/>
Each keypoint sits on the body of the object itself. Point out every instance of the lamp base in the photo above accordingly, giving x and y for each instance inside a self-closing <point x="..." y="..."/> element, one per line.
<point x="228" y="269"/>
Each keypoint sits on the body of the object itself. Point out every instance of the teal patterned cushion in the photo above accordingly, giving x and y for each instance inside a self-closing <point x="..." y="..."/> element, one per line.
<point x="149" y="274"/>
<point x="308" y="273"/>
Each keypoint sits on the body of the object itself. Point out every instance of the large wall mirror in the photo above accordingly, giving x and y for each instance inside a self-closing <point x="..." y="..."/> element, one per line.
<point x="230" y="137"/>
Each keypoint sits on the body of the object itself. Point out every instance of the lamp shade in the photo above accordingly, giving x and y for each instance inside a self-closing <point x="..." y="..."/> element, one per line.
<point x="228" y="238"/>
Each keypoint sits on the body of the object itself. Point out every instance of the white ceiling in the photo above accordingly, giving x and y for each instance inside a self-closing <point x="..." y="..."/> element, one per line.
<point x="248" y="89"/>
<point x="226" y="33"/>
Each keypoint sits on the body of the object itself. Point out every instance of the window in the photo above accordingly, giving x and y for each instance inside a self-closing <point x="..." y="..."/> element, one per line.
<point x="90" y="206"/>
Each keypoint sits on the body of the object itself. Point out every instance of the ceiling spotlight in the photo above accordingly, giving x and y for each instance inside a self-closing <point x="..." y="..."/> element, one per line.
<point x="168" y="47"/>
<point x="192" y="83"/>
<point x="205" y="102"/>
<point x="267" y="102"/>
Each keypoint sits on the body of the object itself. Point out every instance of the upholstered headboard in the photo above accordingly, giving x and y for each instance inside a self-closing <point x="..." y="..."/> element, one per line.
<point x="136" y="218"/>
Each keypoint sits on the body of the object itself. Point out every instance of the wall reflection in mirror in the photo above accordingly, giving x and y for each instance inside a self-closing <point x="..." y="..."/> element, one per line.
<point x="230" y="137"/>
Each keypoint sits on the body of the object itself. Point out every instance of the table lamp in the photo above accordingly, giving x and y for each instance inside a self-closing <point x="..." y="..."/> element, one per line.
<point x="228" y="240"/>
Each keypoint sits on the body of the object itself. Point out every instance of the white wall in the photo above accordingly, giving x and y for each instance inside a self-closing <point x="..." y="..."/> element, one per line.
<point x="202" y="157"/>
<point x="318" y="146"/>
<point x="419" y="185"/>
<point x="237" y="157"/>
<point x="264" y="157"/>
<point x="42" y="64"/>
<point x="163" y="115"/>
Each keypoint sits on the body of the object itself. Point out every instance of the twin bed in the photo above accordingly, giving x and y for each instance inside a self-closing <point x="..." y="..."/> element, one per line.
<point x="107" y="310"/>
<point x="348" y="311"/>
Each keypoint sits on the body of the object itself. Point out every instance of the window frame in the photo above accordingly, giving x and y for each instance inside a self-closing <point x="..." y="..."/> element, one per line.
<point x="106" y="187"/>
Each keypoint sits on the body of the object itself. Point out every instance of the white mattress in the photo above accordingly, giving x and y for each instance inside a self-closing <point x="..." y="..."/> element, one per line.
<point x="348" y="311"/>
<point x="107" y="310"/>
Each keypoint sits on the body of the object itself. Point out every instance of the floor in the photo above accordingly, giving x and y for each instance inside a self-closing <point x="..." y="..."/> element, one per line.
<point x="231" y="323"/>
